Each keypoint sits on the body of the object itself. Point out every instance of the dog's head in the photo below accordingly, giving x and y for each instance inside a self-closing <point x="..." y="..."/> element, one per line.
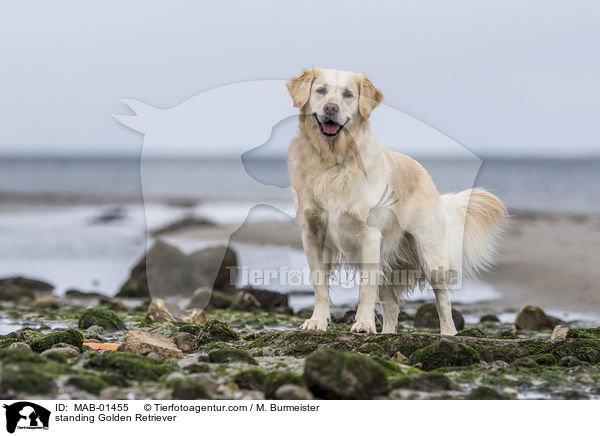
<point x="333" y="103"/>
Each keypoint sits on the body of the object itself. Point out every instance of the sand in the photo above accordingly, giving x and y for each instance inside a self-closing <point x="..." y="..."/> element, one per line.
<point x="551" y="260"/>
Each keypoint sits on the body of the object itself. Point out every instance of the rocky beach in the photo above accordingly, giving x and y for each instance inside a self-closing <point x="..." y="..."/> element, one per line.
<point x="242" y="342"/>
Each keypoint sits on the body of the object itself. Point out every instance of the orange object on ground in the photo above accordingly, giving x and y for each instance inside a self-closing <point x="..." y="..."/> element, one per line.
<point x="101" y="346"/>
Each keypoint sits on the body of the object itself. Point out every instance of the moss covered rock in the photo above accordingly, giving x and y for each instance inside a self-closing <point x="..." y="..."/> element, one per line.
<point x="428" y="382"/>
<point x="485" y="393"/>
<point x="231" y="355"/>
<point x="584" y="333"/>
<point x="444" y="353"/>
<point x="251" y="379"/>
<point x="68" y="336"/>
<point x="129" y="365"/>
<point x="215" y="330"/>
<point x="333" y="374"/>
<point x="91" y="383"/>
<point x="104" y="318"/>
<point x="277" y="379"/>
<point x="186" y="388"/>
<point x="473" y="333"/>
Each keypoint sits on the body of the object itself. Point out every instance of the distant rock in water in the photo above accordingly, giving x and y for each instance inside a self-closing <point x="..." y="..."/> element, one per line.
<point x="534" y="318"/>
<point x="166" y="271"/>
<point x="22" y="288"/>
<point x="427" y="317"/>
<point x="182" y="224"/>
<point x="251" y="299"/>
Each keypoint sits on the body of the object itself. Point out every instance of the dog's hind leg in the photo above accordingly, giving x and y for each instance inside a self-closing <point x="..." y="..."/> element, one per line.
<point x="444" y="309"/>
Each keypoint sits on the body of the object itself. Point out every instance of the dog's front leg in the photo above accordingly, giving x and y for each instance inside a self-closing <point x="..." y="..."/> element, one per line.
<point x="369" y="277"/>
<point x="318" y="260"/>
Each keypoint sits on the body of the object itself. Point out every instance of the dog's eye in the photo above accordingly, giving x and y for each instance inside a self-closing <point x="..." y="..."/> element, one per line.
<point x="321" y="91"/>
<point x="348" y="94"/>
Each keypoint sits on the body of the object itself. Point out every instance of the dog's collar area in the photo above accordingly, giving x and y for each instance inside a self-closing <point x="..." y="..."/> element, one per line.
<point x="329" y="128"/>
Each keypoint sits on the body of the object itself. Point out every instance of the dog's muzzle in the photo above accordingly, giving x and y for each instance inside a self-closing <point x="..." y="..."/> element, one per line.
<point x="328" y="127"/>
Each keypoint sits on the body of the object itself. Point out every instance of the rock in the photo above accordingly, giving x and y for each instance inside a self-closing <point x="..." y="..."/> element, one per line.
<point x="489" y="318"/>
<point x="443" y="354"/>
<point x="584" y="333"/>
<point x="292" y="392"/>
<point x="251" y="379"/>
<point x="338" y="375"/>
<point x="400" y="357"/>
<point x="347" y="317"/>
<point x="473" y="333"/>
<point x="215" y="330"/>
<point x="76" y="293"/>
<point x="423" y="382"/>
<point x="67" y="350"/>
<point x="525" y="362"/>
<point x="160" y="310"/>
<point x="183" y="223"/>
<point x="276" y="379"/>
<point x="372" y="348"/>
<point x="497" y="364"/>
<point x="28" y="334"/>
<point x="186" y="342"/>
<point x="207" y="299"/>
<point x="559" y="332"/>
<point x="130" y="366"/>
<point x="534" y="318"/>
<point x="245" y="301"/>
<point x="427" y="317"/>
<point x="20" y="345"/>
<point x="104" y="318"/>
<point x="166" y="271"/>
<point x="225" y="355"/>
<point x="91" y="383"/>
<point x="111" y="303"/>
<point x="250" y="299"/>
<point x="485" y="393"/>
<point x="95" y="330"/>
<point x="209" y="383"/>
<point x="22" y="288"/>
<point x="68" y="336"/>
<point x="46" y="303"/>
<point x="142" y="342"/>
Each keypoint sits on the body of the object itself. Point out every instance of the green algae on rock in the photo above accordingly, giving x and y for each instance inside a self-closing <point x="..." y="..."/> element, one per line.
<point x="473" y="333"/>
<point x="129" y="365"/>
<point x="68" y="336"/>
<point x="231" y="355"/>
<point x="339" y="375"/>
<point x="104" y="318"/>
<point x="444" y="353"/>
<point x="215" y="330"/>
<point x="428" y="382"/>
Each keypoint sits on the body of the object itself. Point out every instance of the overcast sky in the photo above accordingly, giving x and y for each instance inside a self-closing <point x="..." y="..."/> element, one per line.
<point x="500" y="77"/>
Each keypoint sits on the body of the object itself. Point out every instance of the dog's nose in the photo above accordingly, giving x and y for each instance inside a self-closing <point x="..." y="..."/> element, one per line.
<point x="331" y="109"/>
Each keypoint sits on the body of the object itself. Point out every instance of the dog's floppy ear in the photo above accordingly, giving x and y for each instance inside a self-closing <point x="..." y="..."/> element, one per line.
<point x="369" y="97"/>
<point x="299" y="87"/>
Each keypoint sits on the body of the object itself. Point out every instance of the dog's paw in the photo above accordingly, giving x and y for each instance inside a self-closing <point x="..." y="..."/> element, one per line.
<point x="363" y="326"/>
<point x="314" y="324"/>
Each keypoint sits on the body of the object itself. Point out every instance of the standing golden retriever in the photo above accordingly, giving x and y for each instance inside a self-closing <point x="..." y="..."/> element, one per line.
<point x="363" y="205"/>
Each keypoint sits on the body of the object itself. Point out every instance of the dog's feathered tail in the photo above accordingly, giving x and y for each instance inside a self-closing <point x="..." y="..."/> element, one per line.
<point x="475" y="220"/>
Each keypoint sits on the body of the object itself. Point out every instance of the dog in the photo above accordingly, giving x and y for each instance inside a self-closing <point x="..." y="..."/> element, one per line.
<point x="362" y="205"/>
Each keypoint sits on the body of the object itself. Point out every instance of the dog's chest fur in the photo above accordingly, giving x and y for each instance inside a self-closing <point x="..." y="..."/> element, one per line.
<point x="336" y="201"/>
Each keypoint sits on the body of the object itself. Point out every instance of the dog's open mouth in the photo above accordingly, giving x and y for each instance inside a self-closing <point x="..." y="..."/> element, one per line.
<point x="328" y="127"/>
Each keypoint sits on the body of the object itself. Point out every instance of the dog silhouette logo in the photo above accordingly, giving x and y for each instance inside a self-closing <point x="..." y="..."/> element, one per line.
<point x="26" y="415"/>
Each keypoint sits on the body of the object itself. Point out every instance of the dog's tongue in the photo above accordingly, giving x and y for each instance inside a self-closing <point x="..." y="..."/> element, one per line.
<point x="330" y="128"/>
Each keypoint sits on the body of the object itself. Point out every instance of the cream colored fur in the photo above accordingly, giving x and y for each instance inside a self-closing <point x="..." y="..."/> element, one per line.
<point x="363" y="205"/>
